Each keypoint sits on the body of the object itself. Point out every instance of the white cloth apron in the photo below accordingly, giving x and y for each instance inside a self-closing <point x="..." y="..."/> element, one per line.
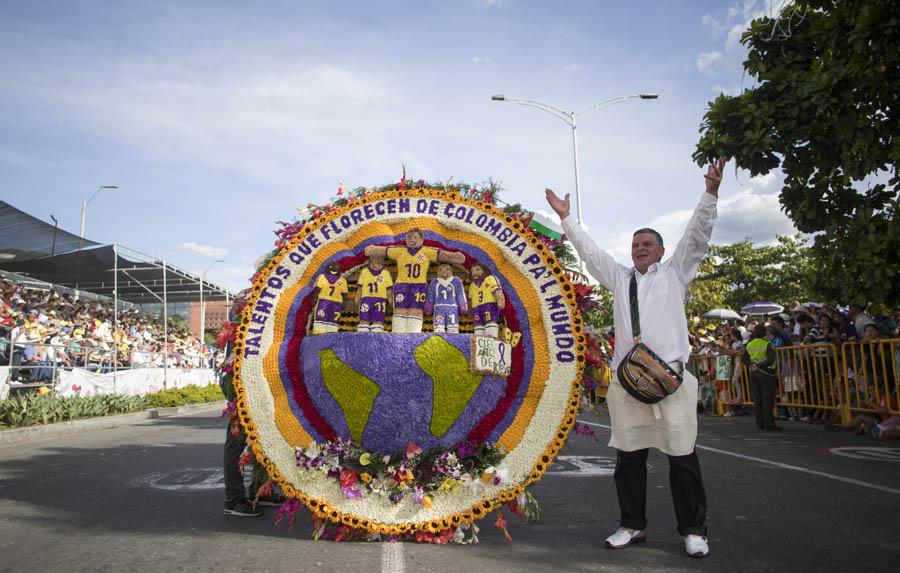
<point x="635" y="425"/>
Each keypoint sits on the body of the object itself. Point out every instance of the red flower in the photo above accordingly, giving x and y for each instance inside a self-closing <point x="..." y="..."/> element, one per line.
<point x="583" y="290"/>
<point x="226" y="334"/>
<point x="348" y="478"/>
<point x="501" y="525"/>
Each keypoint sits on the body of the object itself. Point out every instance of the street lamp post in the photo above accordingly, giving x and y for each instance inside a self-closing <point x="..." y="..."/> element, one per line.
<point x="84" y="206"/>
<point x="203" y="306"/>
<point x="571" y="119"/>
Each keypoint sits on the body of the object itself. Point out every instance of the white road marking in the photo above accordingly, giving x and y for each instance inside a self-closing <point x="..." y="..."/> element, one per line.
<point x="392" y="557"/>
<point x="784" y="466"/>
<point x="864" y="453"/>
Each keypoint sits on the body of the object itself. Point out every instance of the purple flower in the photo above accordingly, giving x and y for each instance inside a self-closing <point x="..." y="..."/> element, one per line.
<point x="418" y="494"/>
<point x="395" y="497"/>
<point x="351" y="493"/>
<point x="288" y="510"/>
<point x="466" y="449"/>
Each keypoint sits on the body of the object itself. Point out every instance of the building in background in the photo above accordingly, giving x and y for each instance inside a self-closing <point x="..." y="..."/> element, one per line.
<point x="216" y="314"/>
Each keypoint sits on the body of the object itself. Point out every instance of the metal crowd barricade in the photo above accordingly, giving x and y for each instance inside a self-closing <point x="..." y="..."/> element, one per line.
<point x="809" y="376"/>
<point x="812" y="377"/>
<point x="723" y="381"/>
<point x="871" y="372"/>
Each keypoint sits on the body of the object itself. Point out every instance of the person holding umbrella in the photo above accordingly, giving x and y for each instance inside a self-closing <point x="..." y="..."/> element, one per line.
<point x="759" y="354"/>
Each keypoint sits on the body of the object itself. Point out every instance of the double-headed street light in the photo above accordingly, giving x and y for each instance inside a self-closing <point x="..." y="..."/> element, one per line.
<point x="571" y="119"/>
<point x="203" y="306"/>
<point x="84" y="206"/>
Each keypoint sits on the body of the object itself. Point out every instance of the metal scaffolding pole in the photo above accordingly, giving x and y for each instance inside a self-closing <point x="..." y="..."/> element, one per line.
<point x="165" y="329"/>
<point x="115" y="316"/>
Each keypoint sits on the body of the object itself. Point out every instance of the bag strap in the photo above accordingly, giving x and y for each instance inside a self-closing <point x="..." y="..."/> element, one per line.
<point x="635" y="313"/>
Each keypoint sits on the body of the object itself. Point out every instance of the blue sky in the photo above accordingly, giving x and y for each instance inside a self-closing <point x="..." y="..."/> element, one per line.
<point x="216" y="119"/>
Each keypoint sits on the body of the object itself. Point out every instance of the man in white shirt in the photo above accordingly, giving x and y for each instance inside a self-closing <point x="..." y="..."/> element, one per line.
<point x="670" y="425"/>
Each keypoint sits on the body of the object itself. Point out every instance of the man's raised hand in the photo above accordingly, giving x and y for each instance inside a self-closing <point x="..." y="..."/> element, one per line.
<point x="560" y="206"/>
<point x="714" y="176"/>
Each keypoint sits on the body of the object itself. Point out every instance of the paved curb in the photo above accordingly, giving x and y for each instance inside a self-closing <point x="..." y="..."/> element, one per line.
<point x="36" y="433"/>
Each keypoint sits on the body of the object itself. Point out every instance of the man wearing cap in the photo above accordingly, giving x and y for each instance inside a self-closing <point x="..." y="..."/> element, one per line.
<point x="670" y="425"/>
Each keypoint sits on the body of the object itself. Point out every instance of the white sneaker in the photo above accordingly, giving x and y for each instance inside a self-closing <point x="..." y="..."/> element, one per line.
<point x="623" y="537"/>
<point x="696" y="545"/>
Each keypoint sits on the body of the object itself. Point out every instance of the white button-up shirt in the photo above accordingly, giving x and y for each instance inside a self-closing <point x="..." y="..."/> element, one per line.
<point x="670" y="425"/>
<point x="661" y="290"/>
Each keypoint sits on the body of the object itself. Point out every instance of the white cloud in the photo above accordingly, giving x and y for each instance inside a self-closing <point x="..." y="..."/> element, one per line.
<point x="764" y="181"/>
<point x="732" y="25"/>
<point x="746" y="214"/>
<point x="489" y="3"/>
<point x="573" y="67"/>
<point x="276" y="122"/>
<point x="733" y="41"/>
<point x="481" y="60"/>
<point x="203" y="250"/>
<point x="713" y="23"/>
<point x="707" y="59"/>
<point x="754" y="215"/>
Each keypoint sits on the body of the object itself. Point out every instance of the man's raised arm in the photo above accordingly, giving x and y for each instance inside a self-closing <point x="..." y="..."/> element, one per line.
<point x="602" y="266"/>
<point x="695" y="242"/>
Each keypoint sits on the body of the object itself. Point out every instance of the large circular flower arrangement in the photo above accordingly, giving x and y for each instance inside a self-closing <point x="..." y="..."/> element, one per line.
<point x="391" y="433"/>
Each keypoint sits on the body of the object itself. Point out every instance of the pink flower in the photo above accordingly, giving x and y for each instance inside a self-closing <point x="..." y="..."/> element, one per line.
<point x="412" y="450"/>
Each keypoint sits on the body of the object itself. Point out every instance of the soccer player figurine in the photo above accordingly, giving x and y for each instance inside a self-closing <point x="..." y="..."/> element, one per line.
<point x="373" y="290"/>
<point x="331" y="288"/>
<point x="487" y="301"/>
<point x="446" y="300"/>
<point x="413" y="262"/>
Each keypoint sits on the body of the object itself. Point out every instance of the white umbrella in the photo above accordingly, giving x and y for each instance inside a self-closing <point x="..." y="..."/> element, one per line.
<point x="762" y="307"/>
<point x="722" y="314"/>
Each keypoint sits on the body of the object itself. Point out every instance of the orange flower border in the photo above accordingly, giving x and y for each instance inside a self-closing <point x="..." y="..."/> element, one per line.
<point x="324" y="510"/>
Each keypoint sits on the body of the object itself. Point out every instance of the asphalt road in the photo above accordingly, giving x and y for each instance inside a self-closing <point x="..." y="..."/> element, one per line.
<point x="148" y="497"/>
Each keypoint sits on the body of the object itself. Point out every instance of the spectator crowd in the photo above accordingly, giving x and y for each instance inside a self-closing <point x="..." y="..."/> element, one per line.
<point x="42" y="330"/>
<point x="811" y="373"/>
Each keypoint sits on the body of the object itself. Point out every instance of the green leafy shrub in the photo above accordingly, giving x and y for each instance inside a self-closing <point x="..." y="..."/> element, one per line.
<point x="31" y="410"/>
<point x="181" y="396"/>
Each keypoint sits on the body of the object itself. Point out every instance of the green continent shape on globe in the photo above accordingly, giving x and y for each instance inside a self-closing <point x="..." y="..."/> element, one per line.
<point x="353" y="392"/>
<point x="452" y="382"/>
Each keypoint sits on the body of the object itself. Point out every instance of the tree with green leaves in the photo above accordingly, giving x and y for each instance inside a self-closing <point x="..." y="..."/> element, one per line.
<point x="825" y="109"/>
<point x="706" y="291"/>
<point x="733" y="275"/>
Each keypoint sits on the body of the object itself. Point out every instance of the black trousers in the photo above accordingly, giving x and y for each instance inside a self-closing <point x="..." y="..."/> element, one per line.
<point x="764" y="387"/>
<point x="234" y="477"/>
<point x="685" y="480"/>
